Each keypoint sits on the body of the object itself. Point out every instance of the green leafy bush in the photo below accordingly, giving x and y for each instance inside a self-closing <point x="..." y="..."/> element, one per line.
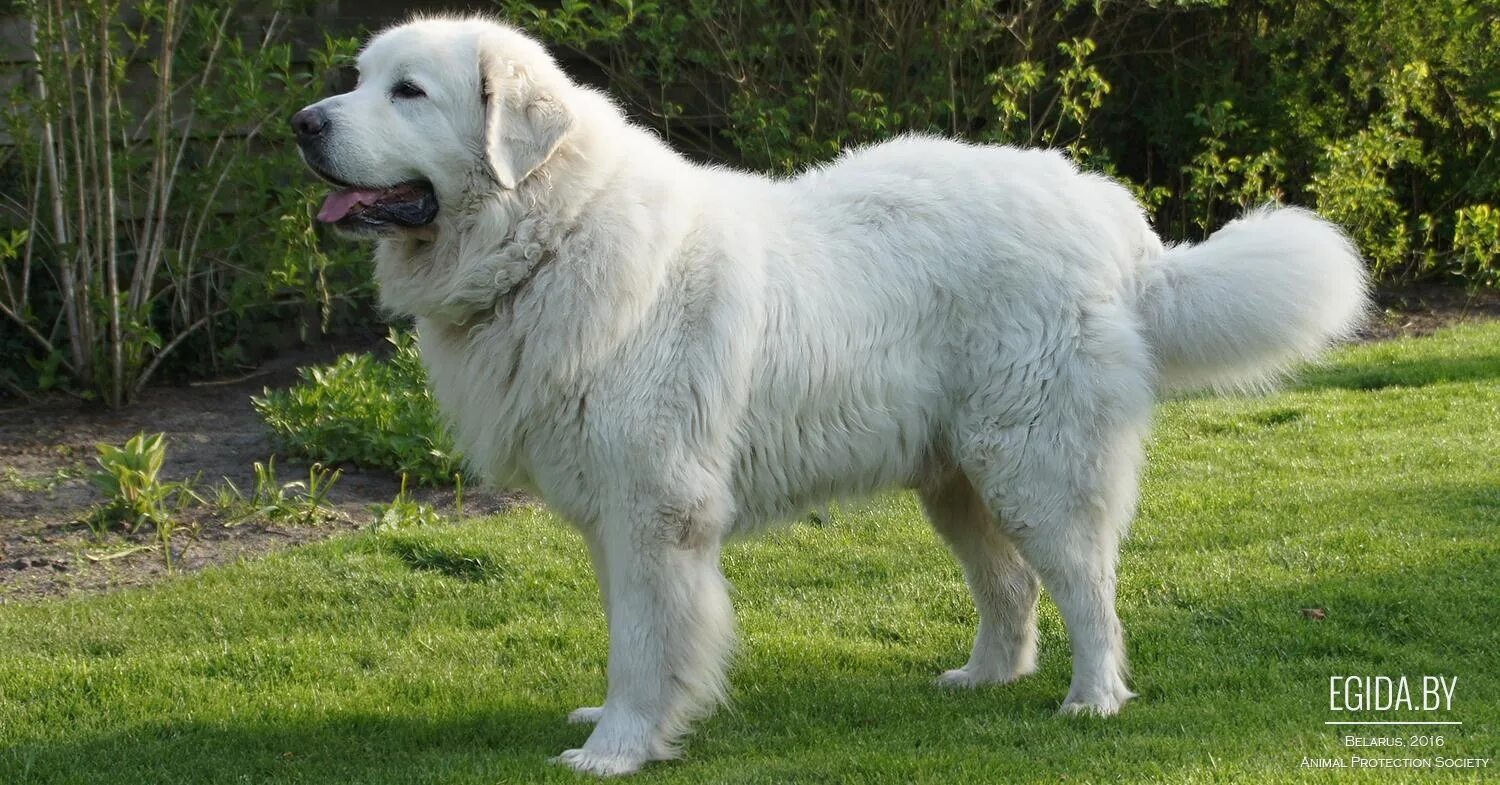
<point x="1383" y="115"/>
<point x="143" y="216"/>
<point x="368" y="411"/>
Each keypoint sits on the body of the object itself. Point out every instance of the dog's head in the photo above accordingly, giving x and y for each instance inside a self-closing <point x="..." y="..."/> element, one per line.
<point x="445" y="110"/>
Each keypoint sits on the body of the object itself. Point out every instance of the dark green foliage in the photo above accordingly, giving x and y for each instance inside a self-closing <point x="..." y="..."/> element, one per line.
<point x="155" y="222"/>
<point x="1382" y="114"/>
<point x="368" y="411"/>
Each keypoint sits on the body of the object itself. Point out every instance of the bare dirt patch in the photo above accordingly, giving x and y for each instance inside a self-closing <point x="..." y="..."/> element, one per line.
<point x="47" y="451"/>
<point x="1420" y="310"/>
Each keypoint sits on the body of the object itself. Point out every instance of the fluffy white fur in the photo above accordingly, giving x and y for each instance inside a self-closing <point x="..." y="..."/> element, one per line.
<point x="672" y="354"/>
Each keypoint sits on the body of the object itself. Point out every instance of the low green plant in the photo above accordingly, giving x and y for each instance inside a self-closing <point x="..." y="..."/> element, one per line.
<point x="228" y="499"/>
<point x="320" y="480"/>
<point x="304" y="503"/>
<point x="1477" y="238"/>
<point x="129" y="476"/>
<point x="166" y="529"/>
<point x="267" y="492"/>
<point x="405" y="512"/>
<point x="46" y="483"/>
<point x="368" y="411"/>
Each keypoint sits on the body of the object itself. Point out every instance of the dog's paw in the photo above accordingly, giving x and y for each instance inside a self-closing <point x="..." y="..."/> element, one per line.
<point x="963" y="679"/>
<point x="586" y="715"/>
<point x="1096" y="706"/>
<point x="1083" y="709"/>
<point x="967" y="678"/>
<point x="582" y="760"/>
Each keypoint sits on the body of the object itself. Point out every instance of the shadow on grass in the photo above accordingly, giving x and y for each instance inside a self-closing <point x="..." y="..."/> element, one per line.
<point x="465" y="564"/>
<point x="504" y="746"/>
<point x="342" y="748"/>
<point x="1380" y="375"/>
<point x="1215" y="682"/>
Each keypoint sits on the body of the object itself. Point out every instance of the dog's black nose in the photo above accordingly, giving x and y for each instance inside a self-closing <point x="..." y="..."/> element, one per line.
<point x="309" y="122"/>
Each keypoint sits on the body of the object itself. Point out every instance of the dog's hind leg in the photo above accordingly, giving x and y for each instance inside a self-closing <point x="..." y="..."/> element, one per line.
<point x="1059" y="468"/>
<point x="670" y="632"/>
<point x="1069" y="532"/>
<point x="1078" y="569"/>
<point x="1004" y="588"/>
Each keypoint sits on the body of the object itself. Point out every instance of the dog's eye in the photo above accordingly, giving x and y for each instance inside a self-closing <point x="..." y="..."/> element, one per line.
<point x="407" y="89"/>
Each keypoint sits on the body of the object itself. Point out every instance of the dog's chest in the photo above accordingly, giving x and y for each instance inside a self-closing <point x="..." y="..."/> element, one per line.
<point x="491" y="402"/>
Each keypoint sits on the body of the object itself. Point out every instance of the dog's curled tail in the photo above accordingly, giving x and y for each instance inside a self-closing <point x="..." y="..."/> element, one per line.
<point x="1236" y="311"/>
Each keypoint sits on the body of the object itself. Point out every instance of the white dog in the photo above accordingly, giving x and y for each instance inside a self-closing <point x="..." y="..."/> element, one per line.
<point x="672" y="354"/>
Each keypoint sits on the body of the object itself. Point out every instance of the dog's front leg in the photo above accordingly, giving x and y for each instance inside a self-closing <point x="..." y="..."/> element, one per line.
<point x="670" y="631"/>
<point x="588" y="715"/>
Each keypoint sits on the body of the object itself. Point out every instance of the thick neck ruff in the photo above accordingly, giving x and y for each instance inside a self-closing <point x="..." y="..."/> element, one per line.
<point x="475" y="262"/>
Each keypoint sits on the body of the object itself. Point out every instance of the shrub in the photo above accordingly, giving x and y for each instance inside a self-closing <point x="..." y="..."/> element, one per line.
<point x="1382" y="115"/>
<point x="368" y="411"/>
<point x="147" y="218"/>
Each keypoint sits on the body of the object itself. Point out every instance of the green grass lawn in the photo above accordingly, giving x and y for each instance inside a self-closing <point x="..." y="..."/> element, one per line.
<point x="1369" y="489"/>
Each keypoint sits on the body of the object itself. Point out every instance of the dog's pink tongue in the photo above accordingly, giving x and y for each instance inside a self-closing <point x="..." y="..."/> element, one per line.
<point x="339" y="203"/>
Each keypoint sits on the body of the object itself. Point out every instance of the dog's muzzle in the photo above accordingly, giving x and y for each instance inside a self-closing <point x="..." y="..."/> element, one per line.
<point x="409" y="204"/>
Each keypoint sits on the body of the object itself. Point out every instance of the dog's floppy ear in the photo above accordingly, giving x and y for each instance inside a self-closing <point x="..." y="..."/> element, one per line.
<point x="523" y="125"/>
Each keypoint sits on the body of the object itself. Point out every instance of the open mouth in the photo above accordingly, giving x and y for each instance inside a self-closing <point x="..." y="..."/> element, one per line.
<point x="409" y="204"/>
